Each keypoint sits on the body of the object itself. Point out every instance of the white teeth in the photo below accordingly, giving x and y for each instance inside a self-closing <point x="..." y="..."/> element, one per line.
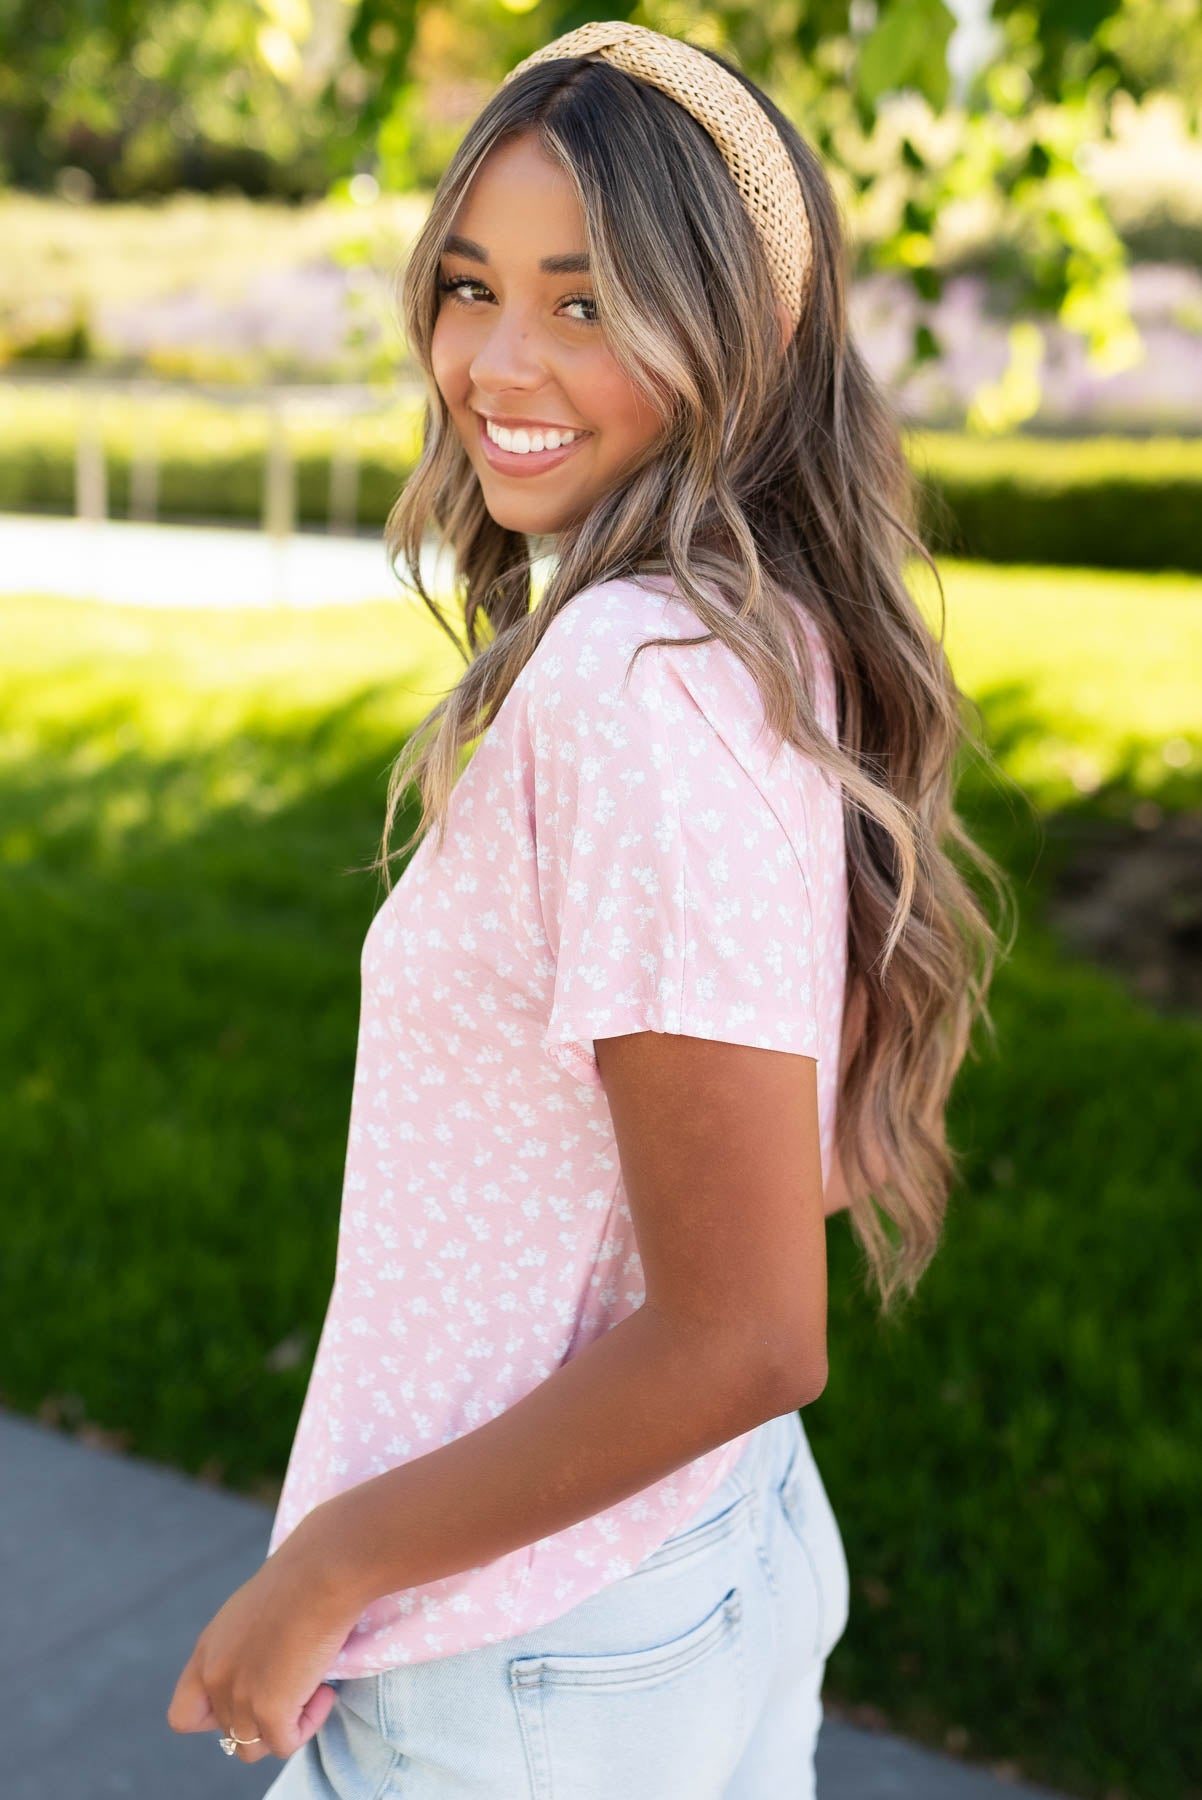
<point x="522" y="443"/>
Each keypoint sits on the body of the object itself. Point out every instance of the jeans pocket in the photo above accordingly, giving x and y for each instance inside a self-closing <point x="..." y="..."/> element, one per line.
<point x="693" y="1540"/>
<point x="814" y="1530"/>
<point x="661" y="1722"/>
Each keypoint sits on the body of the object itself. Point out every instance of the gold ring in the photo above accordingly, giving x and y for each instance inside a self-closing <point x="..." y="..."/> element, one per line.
<point x="229" y="1743"/>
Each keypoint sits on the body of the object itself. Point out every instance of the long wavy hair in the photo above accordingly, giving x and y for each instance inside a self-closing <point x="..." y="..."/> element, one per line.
<point x="775" y="482"/>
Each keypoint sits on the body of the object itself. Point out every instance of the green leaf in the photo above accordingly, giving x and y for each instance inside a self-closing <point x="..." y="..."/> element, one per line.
<point x="1038" y="162"/>
<point x="917" y="215"/>
<point x="926" y="346"/>
<point x="907" y="49"/>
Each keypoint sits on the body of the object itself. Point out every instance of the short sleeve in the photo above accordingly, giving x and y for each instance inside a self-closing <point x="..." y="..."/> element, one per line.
<point x="673" y="896"/>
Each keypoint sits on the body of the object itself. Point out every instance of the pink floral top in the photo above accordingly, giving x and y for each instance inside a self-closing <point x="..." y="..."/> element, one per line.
<point x="618" y="859"/>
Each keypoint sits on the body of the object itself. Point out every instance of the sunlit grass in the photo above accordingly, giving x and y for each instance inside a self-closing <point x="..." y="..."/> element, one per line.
<point x="187" y="704"/>
<point x="1110" y="661"/>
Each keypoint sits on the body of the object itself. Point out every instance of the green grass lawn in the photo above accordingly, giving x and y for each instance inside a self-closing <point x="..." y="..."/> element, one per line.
<point x="1016" y="1463"/>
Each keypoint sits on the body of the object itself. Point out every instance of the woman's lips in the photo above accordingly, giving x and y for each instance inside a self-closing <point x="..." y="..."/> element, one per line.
<point x="535" y="462"/>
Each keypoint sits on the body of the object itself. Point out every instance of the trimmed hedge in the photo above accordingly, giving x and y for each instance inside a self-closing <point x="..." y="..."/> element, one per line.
<point x="1120" y="503"/>
<point x="211" y="458"/>
<point x="1107" y="502"/>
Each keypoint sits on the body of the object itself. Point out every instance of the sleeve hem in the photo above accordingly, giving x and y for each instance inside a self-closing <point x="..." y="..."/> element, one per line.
<point x="575" y="1055"/>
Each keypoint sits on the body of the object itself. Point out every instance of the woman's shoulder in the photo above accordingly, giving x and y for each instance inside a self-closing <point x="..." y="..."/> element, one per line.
<point x="584" y="657"/>
<point x="585" y="650"/>
<point x="607" y="613"/>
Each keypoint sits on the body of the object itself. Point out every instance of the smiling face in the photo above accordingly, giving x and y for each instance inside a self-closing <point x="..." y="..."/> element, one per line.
<point x="521" y="344"/>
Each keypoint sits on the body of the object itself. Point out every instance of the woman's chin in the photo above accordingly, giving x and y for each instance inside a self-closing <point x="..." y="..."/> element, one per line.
<point x="534" y="521"/>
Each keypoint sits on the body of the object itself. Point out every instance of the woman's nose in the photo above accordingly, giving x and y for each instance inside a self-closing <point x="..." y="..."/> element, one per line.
<point x="508" y="357"/>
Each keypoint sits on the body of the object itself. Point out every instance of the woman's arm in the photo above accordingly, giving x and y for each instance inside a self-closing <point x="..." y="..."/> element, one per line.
<point x="719" y="1153"/>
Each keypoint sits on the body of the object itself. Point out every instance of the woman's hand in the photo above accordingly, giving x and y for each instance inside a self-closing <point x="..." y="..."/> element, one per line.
<point x="257" y="1665"/>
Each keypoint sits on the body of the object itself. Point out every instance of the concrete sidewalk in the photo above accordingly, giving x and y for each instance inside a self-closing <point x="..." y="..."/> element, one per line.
<point x="111" y="1566"/>
<point x="196" y="565"/>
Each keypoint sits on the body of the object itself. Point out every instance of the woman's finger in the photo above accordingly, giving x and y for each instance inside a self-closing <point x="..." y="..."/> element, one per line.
<point x="316" y="1710"/>
<point x="254" y="1741"/>
<point x="190" y="1709"/>
<point x="252" y="1753"/>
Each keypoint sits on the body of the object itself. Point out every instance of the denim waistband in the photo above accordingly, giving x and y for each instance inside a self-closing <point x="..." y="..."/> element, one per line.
<point x="762" y="1464"/>
<point x="769" y="1451"/>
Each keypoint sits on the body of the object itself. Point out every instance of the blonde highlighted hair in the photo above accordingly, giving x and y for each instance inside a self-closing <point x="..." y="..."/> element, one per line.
<point x="775" y="483"/>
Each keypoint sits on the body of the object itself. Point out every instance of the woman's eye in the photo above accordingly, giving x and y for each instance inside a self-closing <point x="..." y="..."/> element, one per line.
<point x="448" y="284"/>
<point x="453" y="284"/>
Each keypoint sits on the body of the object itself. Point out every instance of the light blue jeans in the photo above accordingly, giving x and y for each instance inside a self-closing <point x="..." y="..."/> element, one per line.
<point x="696" y="1677"/>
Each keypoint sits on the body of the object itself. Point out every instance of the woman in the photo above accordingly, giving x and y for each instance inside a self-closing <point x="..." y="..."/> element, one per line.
<point x="685" y="967"/>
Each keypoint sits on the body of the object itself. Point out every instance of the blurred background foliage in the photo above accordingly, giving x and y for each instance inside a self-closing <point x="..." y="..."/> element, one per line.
<point x="1005" y="147"/>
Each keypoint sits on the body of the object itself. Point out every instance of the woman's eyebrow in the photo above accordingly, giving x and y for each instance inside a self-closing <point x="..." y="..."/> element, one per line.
<point x="574" y="263"/>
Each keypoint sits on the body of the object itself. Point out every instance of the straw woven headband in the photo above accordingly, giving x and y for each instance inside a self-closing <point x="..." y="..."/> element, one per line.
<point x="750" y="144"/>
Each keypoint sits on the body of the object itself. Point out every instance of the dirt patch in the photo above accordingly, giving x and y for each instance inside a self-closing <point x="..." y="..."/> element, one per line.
<point x="1130" y="897"/>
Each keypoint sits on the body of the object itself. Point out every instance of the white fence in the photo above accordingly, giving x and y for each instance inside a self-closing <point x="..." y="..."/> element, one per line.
<point x="283" y="405"/>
